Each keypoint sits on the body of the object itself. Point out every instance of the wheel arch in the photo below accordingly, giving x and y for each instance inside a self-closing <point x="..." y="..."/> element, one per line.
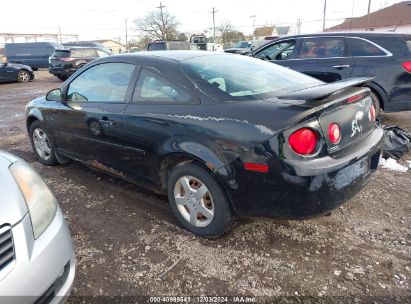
<point x="379" y="91"/>
<point x="33" y="115"/>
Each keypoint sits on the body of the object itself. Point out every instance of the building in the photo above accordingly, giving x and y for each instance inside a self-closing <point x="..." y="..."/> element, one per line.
<point x="396" y="18"/>
<point x="114" y="46"/>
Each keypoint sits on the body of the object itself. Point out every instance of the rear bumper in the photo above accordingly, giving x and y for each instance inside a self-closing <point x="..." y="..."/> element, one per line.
<point x="43" y="268"/>
<point x="61" y="71"/>
<point x="298" y="190"/>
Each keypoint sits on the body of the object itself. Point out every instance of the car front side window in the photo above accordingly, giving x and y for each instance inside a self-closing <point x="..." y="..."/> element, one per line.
<point x="277" y="51"/>
<point x="107" y="82"/>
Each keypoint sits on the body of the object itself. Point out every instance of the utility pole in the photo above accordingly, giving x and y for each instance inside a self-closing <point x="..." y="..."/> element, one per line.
<point x="126" y="35"/>
<point x="298" y="29"/>
<point x="60" y="33"/>
<point x="368" y="16"/>
<point x="324" y="14"/>
<point x="162" y="21"/>
<point x="352" y="14"/>
<point x="253" y="18"/>
<point x="213" y="12"/>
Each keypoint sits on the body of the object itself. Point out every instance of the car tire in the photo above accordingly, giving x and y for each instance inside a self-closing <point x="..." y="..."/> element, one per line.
<point x="217" y="217"/>
<point x="42" y="145"/>
<point x="23" y="76"/>
<point x="377" y="103"/>
<point x="62" y="77"/>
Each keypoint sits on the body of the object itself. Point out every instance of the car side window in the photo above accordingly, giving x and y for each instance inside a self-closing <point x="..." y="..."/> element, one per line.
<point x="77" y="53"/>
<point x="360" y="47"/>
<point x="277" y="51"/>
<point x="90" y="53"/>
<point x="152" y="88"/>
<point x="323" y="47"/>
<point x="107" y="82"/>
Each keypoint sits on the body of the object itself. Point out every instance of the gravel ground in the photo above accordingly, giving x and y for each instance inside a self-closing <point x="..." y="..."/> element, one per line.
<point x="128" y="244"/>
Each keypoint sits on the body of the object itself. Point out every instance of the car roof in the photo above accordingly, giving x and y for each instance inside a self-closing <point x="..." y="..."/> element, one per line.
<point x="178" y="55"/>
<point x="354" y="34"/>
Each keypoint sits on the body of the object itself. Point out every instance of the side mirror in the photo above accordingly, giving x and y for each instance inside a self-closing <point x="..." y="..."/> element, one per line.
<point x="54" y="95"/>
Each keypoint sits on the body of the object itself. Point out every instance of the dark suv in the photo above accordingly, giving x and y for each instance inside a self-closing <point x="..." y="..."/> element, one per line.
<point x="335" y="56"/>
<point x="64" y="62"/>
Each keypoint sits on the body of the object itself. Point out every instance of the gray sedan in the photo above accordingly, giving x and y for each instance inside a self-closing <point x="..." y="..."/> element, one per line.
<point x="37" y="261"/>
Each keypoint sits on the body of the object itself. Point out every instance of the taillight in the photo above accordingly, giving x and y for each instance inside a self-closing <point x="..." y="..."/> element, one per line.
<point x="372" y="113"/>
<point x="66" y="59"/>
<point x="354" y="98"/>
<point x="407" y="66"/>
<point x="334" y="133"/>
<point x="303" y="141"/>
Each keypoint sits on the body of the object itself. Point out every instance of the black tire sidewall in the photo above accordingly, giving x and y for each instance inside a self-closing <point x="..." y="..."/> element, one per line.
<point x="52" y="160"/>
<point x="223" y="218"/>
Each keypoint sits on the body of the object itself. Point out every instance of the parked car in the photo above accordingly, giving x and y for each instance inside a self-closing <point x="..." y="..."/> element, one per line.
<point x="64" y="62"/>
<point x="335" y="56"/>
<point x="222" y="135"/>
<point x="88" y="44"/>
<point x="245" y="47"/>
<point x="34" y="54"/>
<point x="37" y="263"/>
<point x="15" y="72"/>
<point x="168" y="45"/>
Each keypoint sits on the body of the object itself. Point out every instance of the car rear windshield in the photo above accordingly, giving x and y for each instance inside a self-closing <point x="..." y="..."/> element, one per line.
<point x="61" y="53"/>
<point x="236" y="78"/>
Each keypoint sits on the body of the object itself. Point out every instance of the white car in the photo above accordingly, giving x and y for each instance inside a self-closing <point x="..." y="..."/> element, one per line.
<point x="37" y="263"/>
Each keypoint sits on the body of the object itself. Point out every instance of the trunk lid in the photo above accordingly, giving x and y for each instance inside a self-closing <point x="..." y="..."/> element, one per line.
<point x="341" y="103"/>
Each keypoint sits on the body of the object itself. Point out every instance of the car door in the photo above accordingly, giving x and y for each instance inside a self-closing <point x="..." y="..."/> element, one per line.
<point x="3" y="72"/>
<point x="282" y="52"/>
<point x="324" y="58"/>
<point x="89" y="124"/>
<point x="148" y="122"/>
<point x="7" y="72"/>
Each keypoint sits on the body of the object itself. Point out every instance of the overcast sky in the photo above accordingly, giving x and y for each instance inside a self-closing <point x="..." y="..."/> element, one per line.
<point x="106" y="19"/>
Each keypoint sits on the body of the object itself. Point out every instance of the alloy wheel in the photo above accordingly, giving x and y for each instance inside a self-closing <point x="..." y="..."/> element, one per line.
<point x="41" y="143"/>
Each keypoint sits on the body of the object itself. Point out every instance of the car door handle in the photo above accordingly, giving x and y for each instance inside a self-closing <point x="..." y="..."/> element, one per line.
<point x="106" y="122"/>
<point x="341" y="66"/>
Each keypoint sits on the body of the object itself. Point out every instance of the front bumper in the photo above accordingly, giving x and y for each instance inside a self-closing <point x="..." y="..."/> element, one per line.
<point x="298" y="190"/>
<point x="62" y="71"/>
<point x="44" y="269"/>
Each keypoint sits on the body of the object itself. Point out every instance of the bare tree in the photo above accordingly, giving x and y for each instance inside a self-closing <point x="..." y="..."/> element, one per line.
<point x="228" y="33"/>
<point x="158" y="25"/>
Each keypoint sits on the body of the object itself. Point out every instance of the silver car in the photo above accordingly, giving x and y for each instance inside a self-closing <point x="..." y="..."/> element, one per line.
<point x="37" y="262"/>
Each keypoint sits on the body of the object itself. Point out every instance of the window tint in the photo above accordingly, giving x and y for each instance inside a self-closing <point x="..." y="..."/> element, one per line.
<point x="277" y="51"/>
<point x="107" y="82"/>
<point x="156" y="46"/>
<point x="323" y="48"/>
<point x="360" y="47"/>
<point x="90" y="53"/>
<point x="152" y="87"/>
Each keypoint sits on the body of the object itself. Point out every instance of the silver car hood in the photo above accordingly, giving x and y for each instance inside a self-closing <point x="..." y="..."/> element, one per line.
<point x="12" y="205"/>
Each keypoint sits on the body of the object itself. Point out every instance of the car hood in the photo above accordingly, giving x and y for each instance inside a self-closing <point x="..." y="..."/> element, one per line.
<point x="12" y="205"/>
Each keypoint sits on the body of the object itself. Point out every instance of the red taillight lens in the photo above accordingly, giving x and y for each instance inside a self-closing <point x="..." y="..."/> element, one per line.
<point x="355" y="98"/>
<point x="334" y="133"/>
<point x="372" y="113"/>
<point x="256" y="167"/>
<point x="407" y="66"/>
<point x="66" y="59"/>
<point x="303" y="141"/>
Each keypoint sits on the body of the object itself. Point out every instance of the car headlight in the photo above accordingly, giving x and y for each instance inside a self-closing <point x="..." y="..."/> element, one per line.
<point x="41" y="203"/>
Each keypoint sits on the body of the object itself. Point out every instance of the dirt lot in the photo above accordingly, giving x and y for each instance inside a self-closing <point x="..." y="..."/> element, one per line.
<point x="128" y="243"/>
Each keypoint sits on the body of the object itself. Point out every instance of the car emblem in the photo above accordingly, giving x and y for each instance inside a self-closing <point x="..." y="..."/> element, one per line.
<point x="356" y="127"/>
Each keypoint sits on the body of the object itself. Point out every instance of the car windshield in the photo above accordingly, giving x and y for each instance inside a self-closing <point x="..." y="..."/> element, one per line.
<point x="231" y="78"/>
<point x="243" y="45"/>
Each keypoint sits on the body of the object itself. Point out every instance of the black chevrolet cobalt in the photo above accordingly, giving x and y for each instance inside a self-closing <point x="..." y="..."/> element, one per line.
<point x="223" y="136"/>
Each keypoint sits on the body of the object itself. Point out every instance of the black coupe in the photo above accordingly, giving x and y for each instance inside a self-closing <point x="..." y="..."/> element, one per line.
<point x="10" y="72"/>
<point x="223" y="136"/>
